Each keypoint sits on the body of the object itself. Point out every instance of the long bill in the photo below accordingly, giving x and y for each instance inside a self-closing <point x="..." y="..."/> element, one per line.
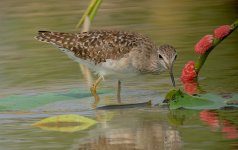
<point x="172" y="75"/>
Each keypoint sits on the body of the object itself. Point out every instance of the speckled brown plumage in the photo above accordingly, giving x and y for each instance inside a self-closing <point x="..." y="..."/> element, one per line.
<point x="98" y="46"/>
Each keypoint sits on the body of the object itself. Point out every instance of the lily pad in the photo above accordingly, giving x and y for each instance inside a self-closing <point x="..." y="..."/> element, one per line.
<point x="29" y="102"/>
<point x="65" y="123"/>
<point x="178" y="99"/>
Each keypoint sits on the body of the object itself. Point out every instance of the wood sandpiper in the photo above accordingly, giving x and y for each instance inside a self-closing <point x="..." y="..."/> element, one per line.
<point x="113" y="53"/>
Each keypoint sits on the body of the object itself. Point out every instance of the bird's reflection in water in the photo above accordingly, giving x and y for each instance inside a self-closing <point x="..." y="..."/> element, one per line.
<point x="144" y="135"/>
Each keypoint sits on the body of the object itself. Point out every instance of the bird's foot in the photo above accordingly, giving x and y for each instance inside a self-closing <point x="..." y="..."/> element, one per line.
<point x="93" y="90"/>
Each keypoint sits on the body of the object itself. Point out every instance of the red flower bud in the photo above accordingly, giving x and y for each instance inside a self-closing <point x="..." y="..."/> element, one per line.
<point x="222" y="31"/>
<point x="204" y="44"/>
<point x="189" y="73"/>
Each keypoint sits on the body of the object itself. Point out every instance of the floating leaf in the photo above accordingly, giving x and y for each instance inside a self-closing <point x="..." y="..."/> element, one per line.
<point x="183" y="100"/>
<point x="30" y="102"/>
<point x="65" y="123"/>
<point x="177" y="99"/>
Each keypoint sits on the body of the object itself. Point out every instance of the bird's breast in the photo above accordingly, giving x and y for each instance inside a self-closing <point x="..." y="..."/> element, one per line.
<point x="120" y="67"/>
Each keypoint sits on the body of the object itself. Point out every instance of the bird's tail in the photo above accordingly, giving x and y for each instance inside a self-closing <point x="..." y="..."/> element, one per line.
<point x="44" y="36"/>
<point x="57" y="38"/>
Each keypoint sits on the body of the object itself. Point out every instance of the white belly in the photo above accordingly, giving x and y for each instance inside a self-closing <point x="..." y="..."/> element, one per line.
<point x="121" y="67"/>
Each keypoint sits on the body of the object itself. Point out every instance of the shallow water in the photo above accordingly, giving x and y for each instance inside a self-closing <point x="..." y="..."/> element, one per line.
<point x="30" y="70"/>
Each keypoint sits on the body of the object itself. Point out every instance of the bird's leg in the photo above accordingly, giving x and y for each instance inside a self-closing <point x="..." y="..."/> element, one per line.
<point x="119" y="91"/>
<point x="93" y="89"/>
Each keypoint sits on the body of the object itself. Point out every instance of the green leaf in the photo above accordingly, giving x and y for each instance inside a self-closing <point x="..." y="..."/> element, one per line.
<point x="177" y="99"/>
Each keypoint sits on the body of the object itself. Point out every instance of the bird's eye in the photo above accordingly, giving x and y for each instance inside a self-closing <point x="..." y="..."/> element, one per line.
<point x="160" y="56"/>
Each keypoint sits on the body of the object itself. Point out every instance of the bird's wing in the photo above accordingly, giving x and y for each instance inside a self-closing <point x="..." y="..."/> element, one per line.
<point x="96" y="46"/>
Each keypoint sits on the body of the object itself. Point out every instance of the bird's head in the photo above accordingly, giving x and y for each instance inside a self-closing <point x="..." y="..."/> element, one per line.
<point x="167" y="56"/>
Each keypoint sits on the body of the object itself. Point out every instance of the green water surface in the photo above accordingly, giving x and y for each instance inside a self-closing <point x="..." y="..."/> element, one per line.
<point x="38" y="81"/>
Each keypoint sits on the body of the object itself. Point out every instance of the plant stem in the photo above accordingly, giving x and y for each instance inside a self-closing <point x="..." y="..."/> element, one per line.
<point x="203" y="57"/>
<point x="94" y="10"/>
<point x="91" y="11"/>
